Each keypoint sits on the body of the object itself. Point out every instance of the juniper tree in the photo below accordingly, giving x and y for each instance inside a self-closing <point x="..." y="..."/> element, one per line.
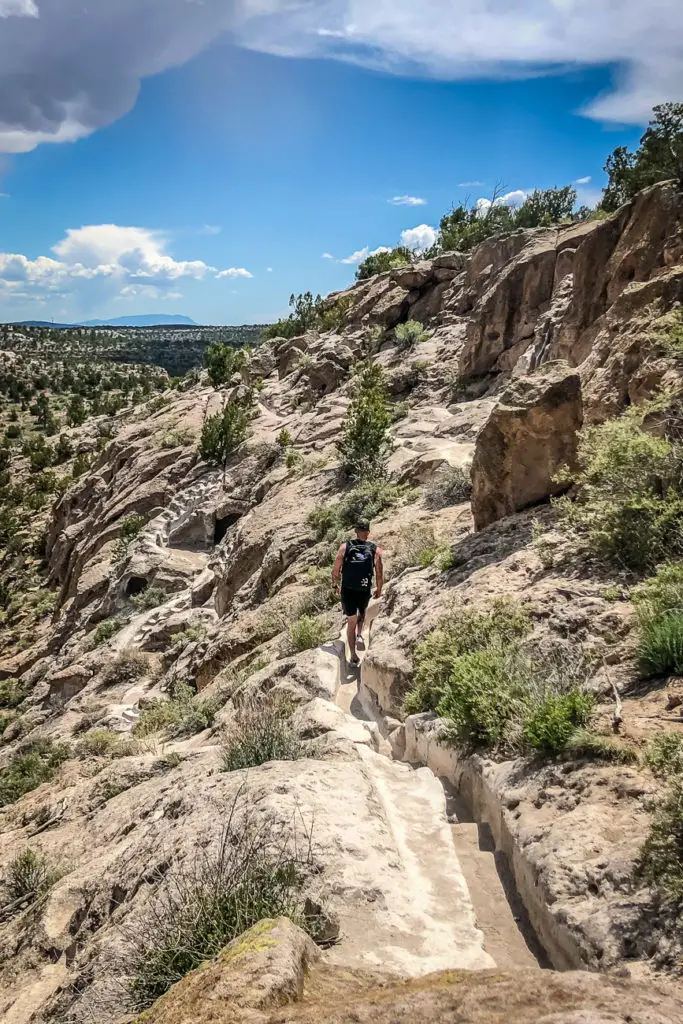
<point x="365" y="444"/>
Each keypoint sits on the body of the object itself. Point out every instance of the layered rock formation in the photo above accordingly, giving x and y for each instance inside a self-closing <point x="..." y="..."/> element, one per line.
<point x="528" y="335"/>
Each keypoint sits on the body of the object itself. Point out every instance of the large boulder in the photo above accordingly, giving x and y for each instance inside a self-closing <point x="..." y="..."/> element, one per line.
<point x="274" y="973"/>
<point x="529" y="435"/>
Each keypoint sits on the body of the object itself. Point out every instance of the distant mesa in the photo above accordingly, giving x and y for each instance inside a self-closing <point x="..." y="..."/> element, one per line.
<point x="146" y="320"/>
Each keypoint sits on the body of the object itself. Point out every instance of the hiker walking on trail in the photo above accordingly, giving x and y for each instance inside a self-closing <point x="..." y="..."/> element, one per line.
<point x="357" y="562"/>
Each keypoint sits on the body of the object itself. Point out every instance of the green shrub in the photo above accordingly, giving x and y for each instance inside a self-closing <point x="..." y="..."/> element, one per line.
<point x="293" y="459"/>
<point x="661" y="593"/>
<point x="105" y="631"/>
<point x="34" y="763"/>
<point x="189" y="635"/>
<point x="12" y="693"/>
<point x="664" y="754"/>
<point x="365" y="444"/>
<point x="453" y="488"/>
<point x="482" y="696"/>
<point x="6" y="718"/>
<point x="670" y="335"/>
<point x="219" y="360"/>
<point x="408" y="334"/>
<point x="307" y="632"/>
<point x="661" y="858"/>
<point x="284" y="439"/>
<point x="493" y="691"/>
<point x="256" y="871"/>
<point x="462" y="631"/>
<point x="630" y="503"/>
<point x="184" y="714"/>
<point x="418" y="549"/>
<point x="177" y="439"/>
<point x="131" y="527"/>
<point x="129" y="665"/>
<point x="552" y="722"/>
<point x="224" y="432"/>
<point x="106" y="743"/>
<point x="261" y="731"/>
<point x="660" y="644"/>
<point x="384" y="260"/>
<point x="307" y="315"/>
<point x="150" y="597"/>
<point x="598" y="747"/>
<point x="367" y="501"/>
<point x="28" y="876"/>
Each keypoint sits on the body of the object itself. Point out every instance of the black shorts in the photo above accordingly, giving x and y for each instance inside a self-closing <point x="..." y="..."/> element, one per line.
<point x="355" y="602"/>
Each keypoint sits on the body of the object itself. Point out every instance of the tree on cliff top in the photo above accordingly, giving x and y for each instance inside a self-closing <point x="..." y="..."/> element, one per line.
<point x="659" y="156"/>
<point x="387" y="259"/>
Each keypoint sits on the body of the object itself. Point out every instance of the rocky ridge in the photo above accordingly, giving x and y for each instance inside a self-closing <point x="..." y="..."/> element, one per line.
<point x="529" y="336"/>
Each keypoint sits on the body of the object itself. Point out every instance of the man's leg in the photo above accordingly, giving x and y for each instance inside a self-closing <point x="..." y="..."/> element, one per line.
<point x="351" y="623"/>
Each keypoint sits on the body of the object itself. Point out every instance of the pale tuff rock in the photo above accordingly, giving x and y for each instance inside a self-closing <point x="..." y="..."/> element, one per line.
<point x="531" y="434"/>
<point x="274" y="973"/>
<point x="233" y="560"/>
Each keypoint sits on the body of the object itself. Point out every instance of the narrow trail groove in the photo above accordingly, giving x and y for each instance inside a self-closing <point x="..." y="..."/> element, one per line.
<point x="466" y="910"/>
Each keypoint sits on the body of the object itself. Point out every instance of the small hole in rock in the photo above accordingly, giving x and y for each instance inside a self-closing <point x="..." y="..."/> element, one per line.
<point x="222" y="526"/>
<point x="135" y="585"/>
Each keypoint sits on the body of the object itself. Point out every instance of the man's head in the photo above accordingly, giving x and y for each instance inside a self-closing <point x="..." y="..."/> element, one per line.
<point x="362" y="529"/>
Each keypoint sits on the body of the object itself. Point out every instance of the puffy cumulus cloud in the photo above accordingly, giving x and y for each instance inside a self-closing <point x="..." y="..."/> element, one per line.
<point x="233" y="272"/>
<point x="129" y="260"/>
<point x="419" y="238"/>
<point x="512" y="199"/>
<point x="68" y="68"/>
<point x="361" y="254"/>
<point x="407" y="201"/>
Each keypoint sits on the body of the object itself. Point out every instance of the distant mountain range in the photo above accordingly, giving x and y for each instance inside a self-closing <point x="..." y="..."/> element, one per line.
<point x="146" y="320"/>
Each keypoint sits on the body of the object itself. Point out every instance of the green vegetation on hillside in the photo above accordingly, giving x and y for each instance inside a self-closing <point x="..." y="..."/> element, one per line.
<point x="658" y="157"/>
<point x="629" y="507"/>
<point x="365" y="444"/>
<point x="494" y="691"/>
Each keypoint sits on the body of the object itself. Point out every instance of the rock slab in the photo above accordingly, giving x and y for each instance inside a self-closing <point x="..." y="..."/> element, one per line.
<point x="530" y="434"/>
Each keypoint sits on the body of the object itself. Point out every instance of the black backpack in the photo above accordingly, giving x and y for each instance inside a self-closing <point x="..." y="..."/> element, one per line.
<point x="359" y="565"/>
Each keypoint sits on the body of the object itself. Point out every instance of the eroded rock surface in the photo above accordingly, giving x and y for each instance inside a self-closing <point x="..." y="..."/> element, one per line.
<point x="531" y="434"/>
<point x="230" y="562"/>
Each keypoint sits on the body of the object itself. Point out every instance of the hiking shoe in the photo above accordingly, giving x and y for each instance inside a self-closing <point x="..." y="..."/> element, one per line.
<point x="355" y="660"/>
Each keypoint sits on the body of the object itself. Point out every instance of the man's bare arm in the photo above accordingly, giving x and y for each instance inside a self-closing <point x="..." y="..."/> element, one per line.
<point x="379" y="572"/>
<point x="337" y="567"/>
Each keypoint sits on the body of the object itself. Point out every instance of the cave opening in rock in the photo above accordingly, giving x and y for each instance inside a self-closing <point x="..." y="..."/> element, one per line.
<point x="135" y="585"/>
<point x="222" y="526"/>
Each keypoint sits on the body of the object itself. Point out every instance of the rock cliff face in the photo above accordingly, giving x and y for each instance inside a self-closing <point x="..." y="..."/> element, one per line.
<point x="528" y="337"/>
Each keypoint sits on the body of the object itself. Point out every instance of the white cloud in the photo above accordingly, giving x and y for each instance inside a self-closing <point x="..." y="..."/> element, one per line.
<point x="327" y="256"/>
<point x="583" y="181"/>
<point x="470" y="184"/>
<point x="19" y="8"/>
<point x="103" y="260"/>
<point x="68" y="68"/>
<point x="407" y="201"/>
<point x="269" y="270"/>
<point x="211" y="229"/>
<point x="419" y="238"/>
<point x="233" y="272"/>
<point x="512" y="199"/>
<point x="362" y="254"/>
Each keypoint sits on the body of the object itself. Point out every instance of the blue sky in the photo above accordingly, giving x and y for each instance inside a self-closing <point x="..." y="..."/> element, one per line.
<point x="216" y="189"/>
